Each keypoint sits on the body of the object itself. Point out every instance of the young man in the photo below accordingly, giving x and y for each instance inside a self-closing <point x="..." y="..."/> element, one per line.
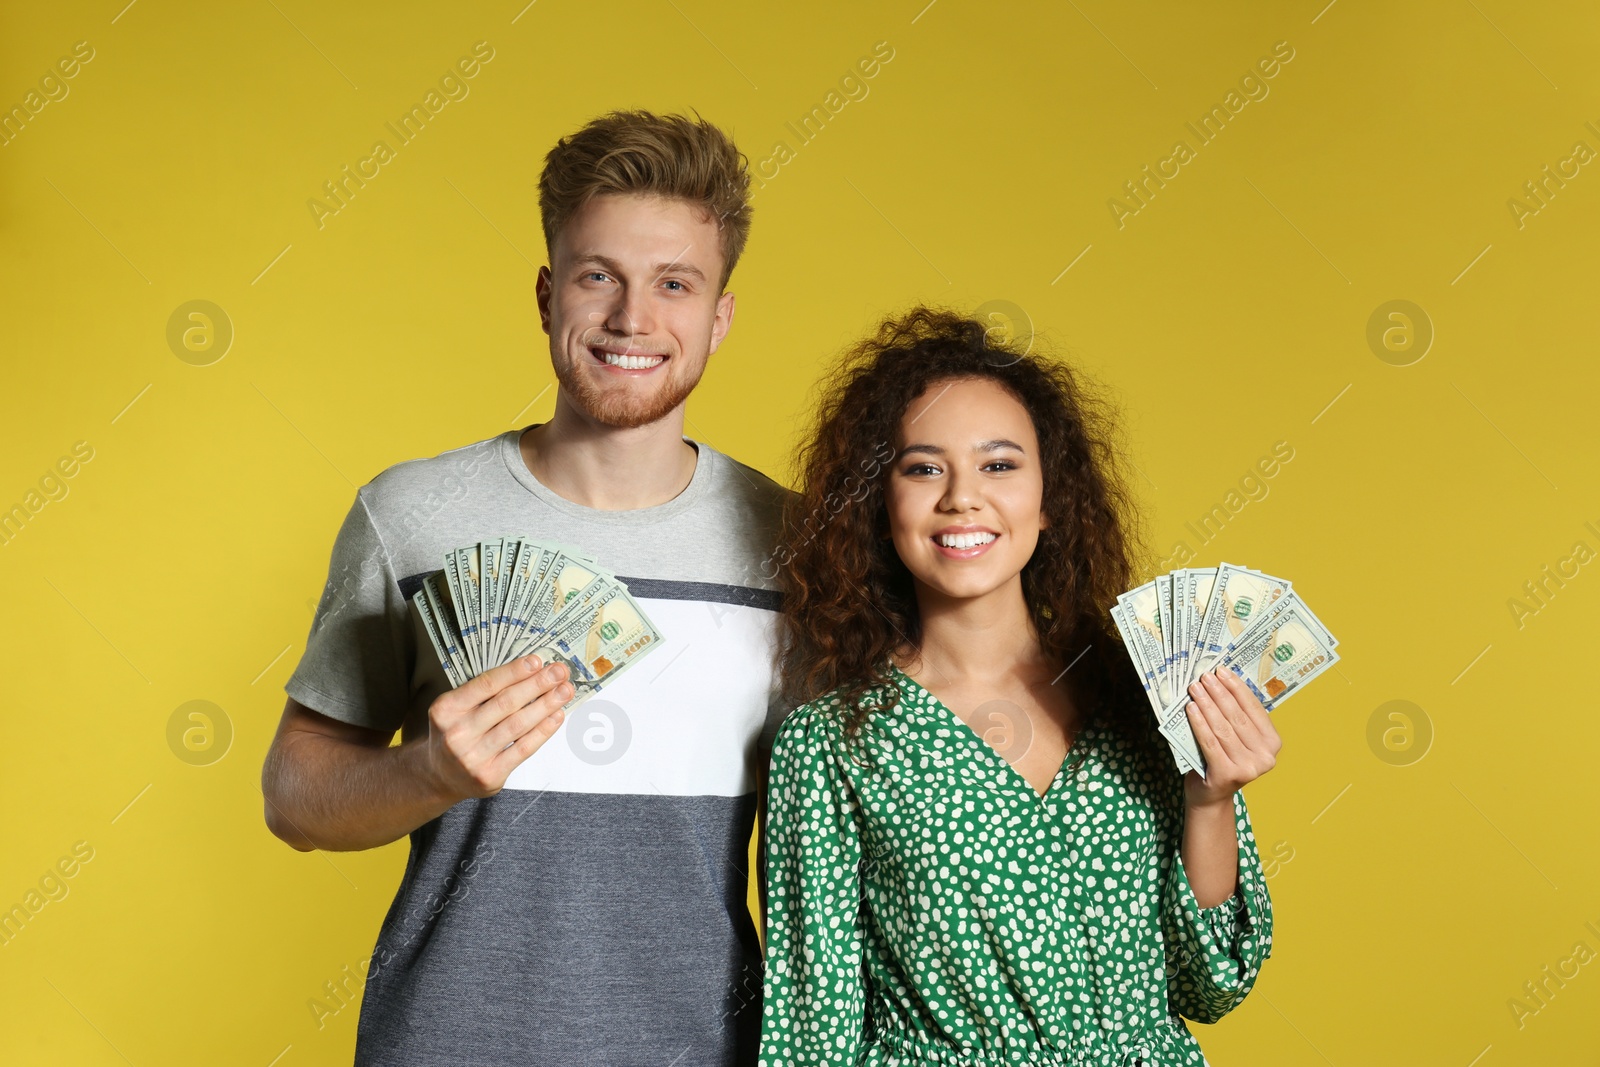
<point x="576" y="891"/>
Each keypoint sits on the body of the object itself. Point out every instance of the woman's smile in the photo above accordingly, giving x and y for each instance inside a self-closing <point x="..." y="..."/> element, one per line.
<point x="964" y="542"/>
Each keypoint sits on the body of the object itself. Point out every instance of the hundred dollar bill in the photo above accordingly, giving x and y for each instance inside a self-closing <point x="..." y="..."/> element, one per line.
<point x="437" y="599"/>
<point x="1180" y="625"/>
<point x="1125" y="627"/>
<point x="529" y="580"/>
<point x="1201" y="580"/>
<point x="600" y="642"/>
<point x="455" y="570"/>
<point x="1279" y="657"/>
<point x="1239" y="597"/>
<point x="565" y="581"/>
<point x="1174" y="726"/>
<point x="516" y="550"/>
<point x="524" y="565"/>
<point x="1276" y="657"/>
<point x="1164" y="610"/>
<point x="1288" y="602"/>
<point x="493" y="556"/>
<point x="1145" y="614"/>
<point x="469" y="570"/>
<point x="431" y="627"/>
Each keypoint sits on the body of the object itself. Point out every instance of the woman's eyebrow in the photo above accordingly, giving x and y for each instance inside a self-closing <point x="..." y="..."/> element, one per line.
<point x="932" y="450"/>
<point x="982" y="446"/>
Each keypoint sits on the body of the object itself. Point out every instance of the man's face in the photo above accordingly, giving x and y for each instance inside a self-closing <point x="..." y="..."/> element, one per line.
<point x="631" y="304"/>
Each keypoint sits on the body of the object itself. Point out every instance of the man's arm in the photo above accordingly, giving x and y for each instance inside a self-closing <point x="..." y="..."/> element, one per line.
<point x="763" y="764"/>
<point x="330" y="785"/>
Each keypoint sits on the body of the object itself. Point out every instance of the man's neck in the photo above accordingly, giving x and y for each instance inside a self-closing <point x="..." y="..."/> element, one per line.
<point x="606" y="468"/>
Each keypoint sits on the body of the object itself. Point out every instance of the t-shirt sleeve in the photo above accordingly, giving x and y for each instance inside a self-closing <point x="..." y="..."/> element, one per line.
<point x="778" y="708"/>
<point x="361" y="648"/>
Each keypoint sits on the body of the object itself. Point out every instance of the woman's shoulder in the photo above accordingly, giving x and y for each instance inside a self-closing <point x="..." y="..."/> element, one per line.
<point x="827" y="721"/>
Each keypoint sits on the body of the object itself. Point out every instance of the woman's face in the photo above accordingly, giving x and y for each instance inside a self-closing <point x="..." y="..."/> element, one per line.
<point x="964" y="495"/>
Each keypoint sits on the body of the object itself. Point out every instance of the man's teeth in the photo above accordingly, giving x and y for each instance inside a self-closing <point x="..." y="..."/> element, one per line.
<point x="971" y="540"/>
<point x="631" y="362"/>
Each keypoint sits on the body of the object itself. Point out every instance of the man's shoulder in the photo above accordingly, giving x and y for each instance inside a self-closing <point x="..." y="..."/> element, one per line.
<point x="749" y="485"/>
<point x="443" y="478"/>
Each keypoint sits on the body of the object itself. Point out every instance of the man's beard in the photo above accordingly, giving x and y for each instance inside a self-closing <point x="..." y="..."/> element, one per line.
<point x="618" y="407"/>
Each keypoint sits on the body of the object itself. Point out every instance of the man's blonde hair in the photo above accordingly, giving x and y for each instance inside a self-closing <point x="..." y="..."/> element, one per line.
<point x="644" y="154"/>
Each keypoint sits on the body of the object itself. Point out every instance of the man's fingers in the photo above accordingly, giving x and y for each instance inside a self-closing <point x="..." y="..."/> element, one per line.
<point x="525" y="718"/>
<point x="490" y="682"/>
<point x="515" y="697"/>
<point x="512" y="756"/>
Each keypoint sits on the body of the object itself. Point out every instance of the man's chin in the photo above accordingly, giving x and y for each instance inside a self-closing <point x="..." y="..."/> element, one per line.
<point x="625" y="408"/>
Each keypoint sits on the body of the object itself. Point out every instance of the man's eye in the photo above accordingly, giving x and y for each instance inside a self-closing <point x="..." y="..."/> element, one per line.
<point x="595" y="276"/>
<point x="678" y="284"/>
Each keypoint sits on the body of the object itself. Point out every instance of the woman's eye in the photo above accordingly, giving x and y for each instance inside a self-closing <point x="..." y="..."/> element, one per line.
<point x="921" y="468"/>
<point x="1001" y="464"/>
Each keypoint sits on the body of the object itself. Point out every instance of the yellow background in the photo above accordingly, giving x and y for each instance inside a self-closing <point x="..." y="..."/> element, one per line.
<point x="1227" y="315"/>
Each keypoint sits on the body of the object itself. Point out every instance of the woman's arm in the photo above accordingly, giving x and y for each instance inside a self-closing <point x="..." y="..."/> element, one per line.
<point x="1240" y="744"/>
<point x="814" y="1005"/>
<point x="1217" y="914"/>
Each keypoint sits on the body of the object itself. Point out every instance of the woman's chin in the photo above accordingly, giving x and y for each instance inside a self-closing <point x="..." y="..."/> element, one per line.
<point x="946" y="586"/>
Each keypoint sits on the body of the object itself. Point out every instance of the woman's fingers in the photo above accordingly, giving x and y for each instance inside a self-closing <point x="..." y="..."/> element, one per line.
<point x="1215" y="739"/>
<point x="1253" y="708"/>
<point x="1222" y="731"/>
<point x="1227" y="700"/>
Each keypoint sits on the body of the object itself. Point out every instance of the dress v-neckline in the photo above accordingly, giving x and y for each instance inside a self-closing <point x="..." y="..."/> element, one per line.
<point x="1061" y="772"/>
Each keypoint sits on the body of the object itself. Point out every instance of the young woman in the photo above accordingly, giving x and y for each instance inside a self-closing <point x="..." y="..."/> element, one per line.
<point x="979" y="851"/>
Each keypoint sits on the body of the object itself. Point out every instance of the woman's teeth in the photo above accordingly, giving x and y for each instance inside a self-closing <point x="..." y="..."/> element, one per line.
<point x="631" y="362"/>
<point x="971" y="540"/>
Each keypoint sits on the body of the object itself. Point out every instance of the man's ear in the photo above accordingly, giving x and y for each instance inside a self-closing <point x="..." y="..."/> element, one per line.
<point x="541" y="292"/>
<point x="723" y="322"/>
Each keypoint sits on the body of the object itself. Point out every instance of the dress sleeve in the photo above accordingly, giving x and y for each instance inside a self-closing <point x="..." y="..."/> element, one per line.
<point x="1214" y="954"/>
<point x="814" y="1005"/>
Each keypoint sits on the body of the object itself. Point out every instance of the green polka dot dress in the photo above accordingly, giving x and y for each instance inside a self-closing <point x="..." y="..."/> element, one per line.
<point x="927" y="906"/>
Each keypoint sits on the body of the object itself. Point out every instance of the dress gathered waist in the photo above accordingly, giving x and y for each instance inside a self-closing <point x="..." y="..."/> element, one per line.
<point x="894" y="1046"/>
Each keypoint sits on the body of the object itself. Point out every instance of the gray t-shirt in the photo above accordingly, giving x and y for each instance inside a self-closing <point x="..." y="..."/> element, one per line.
<point x="594" y="911"/>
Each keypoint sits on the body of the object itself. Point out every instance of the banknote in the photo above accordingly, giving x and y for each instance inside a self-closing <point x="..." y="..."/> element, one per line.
<point x="1122" y="618"/>
<point x="600" y="642"/>
<point x="502" y="598"/>
<point x="1178" y="626"/>
<point x="1281" y="655"/>
<point x="1142" y="610"/>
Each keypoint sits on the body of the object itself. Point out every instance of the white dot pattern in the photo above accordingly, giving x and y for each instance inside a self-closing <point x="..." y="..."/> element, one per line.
<point x="927" y="906"/>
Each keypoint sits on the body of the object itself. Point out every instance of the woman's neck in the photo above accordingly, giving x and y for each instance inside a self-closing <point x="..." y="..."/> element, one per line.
<point x="976" y="638"/>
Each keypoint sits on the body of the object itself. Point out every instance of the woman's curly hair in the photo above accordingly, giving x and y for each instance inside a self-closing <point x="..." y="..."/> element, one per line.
<point x="849" y="600"/>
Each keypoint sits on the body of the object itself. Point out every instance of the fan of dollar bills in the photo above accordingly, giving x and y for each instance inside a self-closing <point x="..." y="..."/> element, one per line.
<point x="1188" y="622"/>
<point x="497" y="600"/>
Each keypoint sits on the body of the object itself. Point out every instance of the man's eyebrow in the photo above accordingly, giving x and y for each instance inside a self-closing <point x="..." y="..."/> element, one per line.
<point x="676" y="266"/>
